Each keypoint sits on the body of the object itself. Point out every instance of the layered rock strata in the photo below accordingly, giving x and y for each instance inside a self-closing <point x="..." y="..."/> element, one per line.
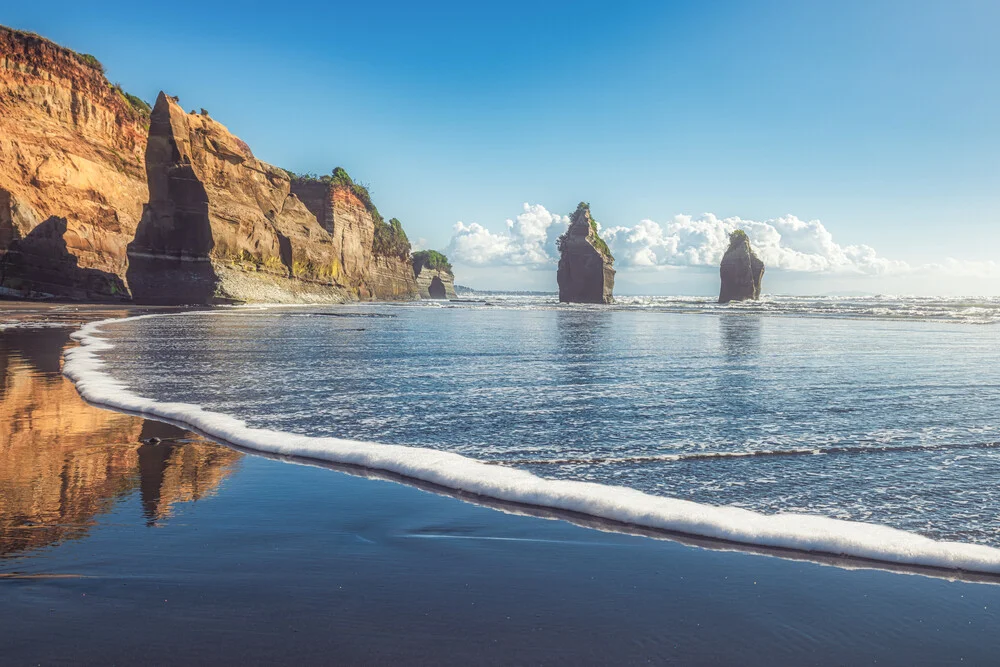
<point x="222" y="226"/>
<point x="435" y="283"/>
<point x="435" y="279"/>
<point x="586" y="271"/>
<point x="741" y="270"/>
<point x="72" y="182"/>
<point x="351" y="226"/>
<point x="102" y="200"/>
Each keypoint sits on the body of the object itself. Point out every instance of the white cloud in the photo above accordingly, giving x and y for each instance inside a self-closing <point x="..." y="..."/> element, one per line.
<point x="530" y="239"/>
<point x="785" y="243"/>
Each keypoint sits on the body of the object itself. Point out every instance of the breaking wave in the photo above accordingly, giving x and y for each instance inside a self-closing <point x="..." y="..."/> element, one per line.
<point x="472" y="479"/>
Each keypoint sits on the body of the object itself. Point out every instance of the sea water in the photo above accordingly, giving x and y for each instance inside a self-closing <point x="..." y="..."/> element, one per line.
<point x="874" y="410"/>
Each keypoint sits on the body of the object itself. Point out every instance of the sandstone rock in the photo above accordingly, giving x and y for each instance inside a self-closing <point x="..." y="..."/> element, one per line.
<point x="435" y="279"/>
<point x="586" y="273"/>
<point x="741" y="270"/>
<point x="352" y="225"/>
<point x="216" y="212"/>
<point x="72" y="181"/>
<point x="100" y="198"/>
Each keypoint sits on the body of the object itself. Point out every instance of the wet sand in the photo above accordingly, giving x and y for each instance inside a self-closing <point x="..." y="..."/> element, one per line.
<point x="187" y="552"/>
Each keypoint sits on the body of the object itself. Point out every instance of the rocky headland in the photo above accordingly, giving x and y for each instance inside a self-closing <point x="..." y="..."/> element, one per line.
<point x="434" y="276"/>
<point x="72" y="179"/>
<point x="741" y="270"/>
<point x="103" y="198"/>
<point x="586" y="271"/>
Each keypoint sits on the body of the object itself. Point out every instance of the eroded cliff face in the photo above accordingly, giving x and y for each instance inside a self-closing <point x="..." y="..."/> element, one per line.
<point x="352" y="228"/>
<point x="741" y="270"/>
<point x="586" y="271"/>
<point x="72" y="181"/>
<point x="435" y="283"/>
<point x="102" y="198"/>
<point x="221" y="225"/>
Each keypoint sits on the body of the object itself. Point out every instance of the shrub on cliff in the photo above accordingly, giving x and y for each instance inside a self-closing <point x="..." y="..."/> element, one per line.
<point x="91" y="61"/>
<point x="737" y="236"/>
<point x="339" y="177"/>
<point x="390" y="239"/>
<point x="137" y="103"/>
<point x="432" y="259"/>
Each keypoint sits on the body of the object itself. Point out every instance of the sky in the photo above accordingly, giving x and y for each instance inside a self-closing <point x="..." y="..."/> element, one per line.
<point x="858" y="143"/>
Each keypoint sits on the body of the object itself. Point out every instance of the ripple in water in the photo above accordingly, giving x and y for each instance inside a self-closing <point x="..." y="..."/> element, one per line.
<point x="840" y="413"/>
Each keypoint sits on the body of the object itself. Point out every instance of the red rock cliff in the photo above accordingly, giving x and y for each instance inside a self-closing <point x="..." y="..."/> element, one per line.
<point x="72" y="182"/>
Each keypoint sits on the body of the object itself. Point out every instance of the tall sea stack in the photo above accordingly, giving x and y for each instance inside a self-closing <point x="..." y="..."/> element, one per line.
<point x="741" y="270"/>
<point x="585" y="274"/>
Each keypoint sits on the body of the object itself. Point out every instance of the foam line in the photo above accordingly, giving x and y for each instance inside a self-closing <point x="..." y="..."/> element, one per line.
<point x="799" y="532"/>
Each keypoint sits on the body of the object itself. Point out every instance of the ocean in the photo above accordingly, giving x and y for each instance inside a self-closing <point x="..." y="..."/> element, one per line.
<point x="860" y="426"/>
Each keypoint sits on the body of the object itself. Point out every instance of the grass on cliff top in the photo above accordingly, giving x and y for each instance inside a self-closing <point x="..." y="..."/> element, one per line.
<point x="432" y="259"/>
<point x="390" y="239"/>
<point x="339" y="177"/>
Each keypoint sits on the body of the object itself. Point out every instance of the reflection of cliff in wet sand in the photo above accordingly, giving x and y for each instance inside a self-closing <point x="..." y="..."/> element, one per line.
<point x="66" y="462"/>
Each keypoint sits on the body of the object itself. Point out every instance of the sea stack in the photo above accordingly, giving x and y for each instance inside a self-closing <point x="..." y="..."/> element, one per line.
<point x="434" y="276"/>
<point x="741" y="270"/>
<point x="585" y="274"/>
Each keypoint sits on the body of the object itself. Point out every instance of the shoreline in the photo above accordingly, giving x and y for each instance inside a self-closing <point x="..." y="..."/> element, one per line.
<point x="295" y="562"/>
<point x="606" y="507"/>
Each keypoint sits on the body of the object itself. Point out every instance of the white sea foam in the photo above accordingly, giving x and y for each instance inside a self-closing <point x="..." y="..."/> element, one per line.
<point x="799" y="532"/>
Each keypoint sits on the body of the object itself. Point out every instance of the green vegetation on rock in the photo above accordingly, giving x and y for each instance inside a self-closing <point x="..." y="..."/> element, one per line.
<point x="390" y="239"/>
<point x="738" y="236"/>
<point x="92" y="61"/>
<point x="598" y="242"/>
<point x="432" y="259"/>
<point x="136" y="103"/>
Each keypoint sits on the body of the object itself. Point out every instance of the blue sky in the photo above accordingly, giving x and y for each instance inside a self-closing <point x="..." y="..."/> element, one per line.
<point x="880" y="119"/>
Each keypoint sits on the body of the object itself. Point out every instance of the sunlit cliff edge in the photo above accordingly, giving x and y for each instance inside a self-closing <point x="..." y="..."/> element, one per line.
<point x="103" y="198"/>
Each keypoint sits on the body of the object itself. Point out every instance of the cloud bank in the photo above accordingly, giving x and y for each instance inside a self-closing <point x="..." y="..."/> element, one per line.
<point x="785" y="243"/>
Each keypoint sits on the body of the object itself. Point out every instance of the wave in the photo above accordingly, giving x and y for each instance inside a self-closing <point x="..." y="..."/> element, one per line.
<point x="754" y="453"/>
<point x="479" y="481"/>
<point x="960" y="310"/>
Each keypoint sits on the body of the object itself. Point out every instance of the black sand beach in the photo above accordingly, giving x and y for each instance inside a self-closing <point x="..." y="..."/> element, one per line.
<point x="187" y="552"/>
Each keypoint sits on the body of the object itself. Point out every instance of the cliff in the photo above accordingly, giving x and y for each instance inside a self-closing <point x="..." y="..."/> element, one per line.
<point x="586" y="273"/>
<point x="72" y="182"/>
<point x="221" y="225"/>
<point x="741" y="270"/>
<point x="371" y="256"/>
<point x="435" y="279"/>
<point x="102" y="198"/>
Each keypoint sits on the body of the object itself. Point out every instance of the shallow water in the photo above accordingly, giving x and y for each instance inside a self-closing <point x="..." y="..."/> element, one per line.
<point x="889" y="421"/>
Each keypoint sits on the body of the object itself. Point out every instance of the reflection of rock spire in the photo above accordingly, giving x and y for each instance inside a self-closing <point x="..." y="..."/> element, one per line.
<point x="65" y="462"/>
<point x="170" y="473"/>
